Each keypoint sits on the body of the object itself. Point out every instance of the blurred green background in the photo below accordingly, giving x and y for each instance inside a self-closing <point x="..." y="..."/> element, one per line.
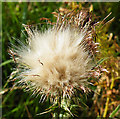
<point x="19" y="104"/>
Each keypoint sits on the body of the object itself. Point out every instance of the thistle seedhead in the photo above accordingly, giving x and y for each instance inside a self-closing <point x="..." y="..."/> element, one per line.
<point x="55" y="62"/>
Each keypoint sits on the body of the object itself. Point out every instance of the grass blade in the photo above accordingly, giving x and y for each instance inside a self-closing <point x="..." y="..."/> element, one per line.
<point x="115" y="111"/>
<point x="6" y="62"/>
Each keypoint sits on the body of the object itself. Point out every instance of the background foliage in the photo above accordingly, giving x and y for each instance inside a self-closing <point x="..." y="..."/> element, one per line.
<point x="17" y="103"/>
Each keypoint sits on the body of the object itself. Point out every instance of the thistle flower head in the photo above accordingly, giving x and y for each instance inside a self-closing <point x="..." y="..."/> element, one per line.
<point x="57" y="61"/>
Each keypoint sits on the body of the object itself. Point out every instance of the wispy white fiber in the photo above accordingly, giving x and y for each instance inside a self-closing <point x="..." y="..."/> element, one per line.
<point x="54" y="62"/>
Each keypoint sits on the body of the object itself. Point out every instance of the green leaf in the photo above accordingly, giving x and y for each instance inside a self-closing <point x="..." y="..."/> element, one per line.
<point x="102" y="60"/>
<point x="6" y="62"/>
<point x="115" y="111"/>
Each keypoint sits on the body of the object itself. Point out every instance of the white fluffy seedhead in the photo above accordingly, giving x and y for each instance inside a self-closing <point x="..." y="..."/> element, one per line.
<point x="57" y="61"/>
